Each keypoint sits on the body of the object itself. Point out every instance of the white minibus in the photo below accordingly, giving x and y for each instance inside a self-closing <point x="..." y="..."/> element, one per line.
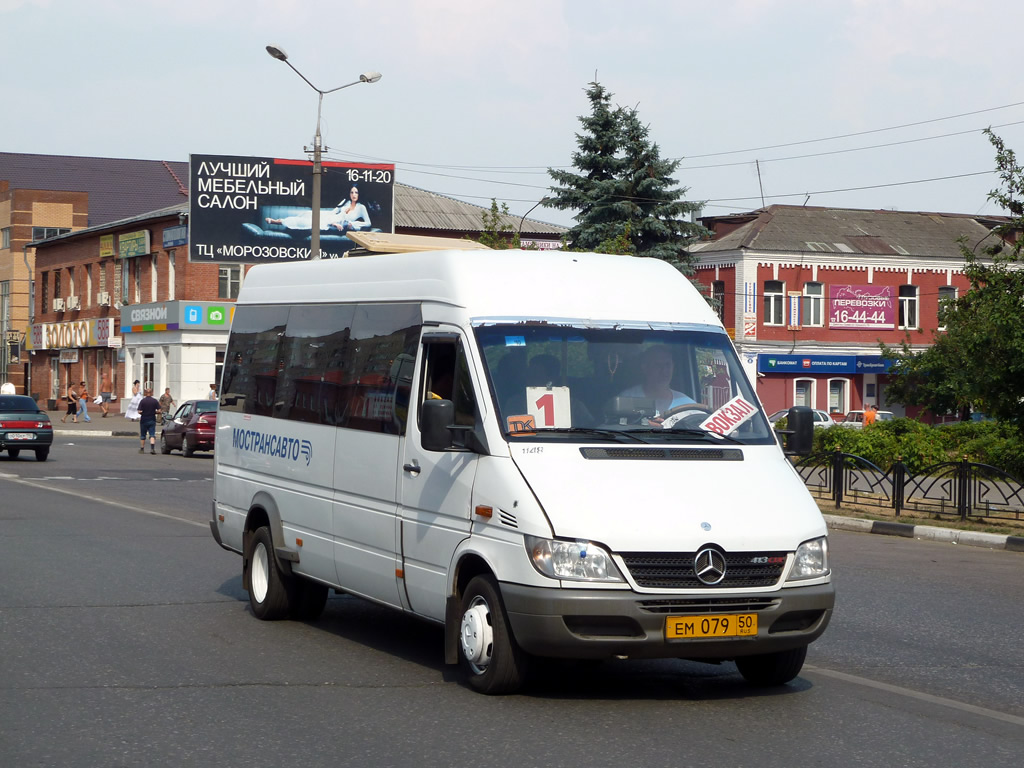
<point x="551" y="454"/>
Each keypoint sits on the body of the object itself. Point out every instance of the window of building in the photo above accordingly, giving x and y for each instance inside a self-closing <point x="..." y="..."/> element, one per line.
<point x="803" y="392"/>
<point x="814" y="302"/>
<point x="229" y="281"/>
<point x="71" y="281"/>
<point x="908" y="307"/>
<point x="138" y="279"/>
<point x="947" y="295"/>
<point x="125" y="279"/>
<point x="170" y="275"/>
<point x="5" y="237"/>
<point x="46" y="292"/>
<point x="41" y="233"/>
<point x="718" y="297"/>
<point x="56" y="284"/>
<point x="774" y="302"/>
<point x="102" y="268"/>
<point x="838" y="395"/>
<point x="152" y="279"/>
<point x="89" y="296"/>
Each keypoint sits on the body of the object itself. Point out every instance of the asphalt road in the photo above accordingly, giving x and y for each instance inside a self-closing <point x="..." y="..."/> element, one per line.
<point x="126" y="640"/>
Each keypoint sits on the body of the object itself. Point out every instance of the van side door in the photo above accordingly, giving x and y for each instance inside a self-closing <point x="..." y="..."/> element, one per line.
<point x="436" y="486"/>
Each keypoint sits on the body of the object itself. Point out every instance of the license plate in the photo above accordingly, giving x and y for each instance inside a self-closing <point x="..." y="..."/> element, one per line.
<point x="20" y="436"/>
<point x="713" y="625"/>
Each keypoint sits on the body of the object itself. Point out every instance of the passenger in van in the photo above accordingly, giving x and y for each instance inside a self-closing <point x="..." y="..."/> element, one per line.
<point x="656" y="368"/>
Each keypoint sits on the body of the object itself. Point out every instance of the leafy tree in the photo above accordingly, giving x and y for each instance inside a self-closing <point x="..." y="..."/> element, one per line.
<point x="497" y="232"/>
<point x="978" y="362"/>
<point x="622" y="190"/>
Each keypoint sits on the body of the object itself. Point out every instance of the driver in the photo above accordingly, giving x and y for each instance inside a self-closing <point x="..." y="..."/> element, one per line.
<point x="656" y="367"/>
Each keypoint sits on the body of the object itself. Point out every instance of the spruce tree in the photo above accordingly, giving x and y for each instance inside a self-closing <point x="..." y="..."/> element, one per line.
<point x="626" y="200"/>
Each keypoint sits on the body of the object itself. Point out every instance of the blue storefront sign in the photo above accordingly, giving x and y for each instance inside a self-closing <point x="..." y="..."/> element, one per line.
<point x="772" y="363"/>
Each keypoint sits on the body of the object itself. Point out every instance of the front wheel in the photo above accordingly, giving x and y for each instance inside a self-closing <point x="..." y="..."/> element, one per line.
<point x="771" y="669"/>
<point x="268" y="594"/>
<point x="491" y="659"/>
<point x="164" y="447"/>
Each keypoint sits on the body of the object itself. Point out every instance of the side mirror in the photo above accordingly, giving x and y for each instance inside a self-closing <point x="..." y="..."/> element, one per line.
<point x="799" y="432"/>
<point x="436" y="417"/>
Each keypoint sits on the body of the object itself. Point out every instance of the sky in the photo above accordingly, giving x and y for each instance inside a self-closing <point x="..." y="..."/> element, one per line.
<point x="862" y="104"/>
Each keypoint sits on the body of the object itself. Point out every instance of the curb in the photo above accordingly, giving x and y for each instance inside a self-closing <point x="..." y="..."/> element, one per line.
<point x="927" y="533"/>
<point x="94" y="433"/>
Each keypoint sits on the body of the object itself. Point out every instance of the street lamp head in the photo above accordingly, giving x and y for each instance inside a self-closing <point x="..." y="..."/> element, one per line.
<point x="277" y="53"/>
<point x="369" y="77"/>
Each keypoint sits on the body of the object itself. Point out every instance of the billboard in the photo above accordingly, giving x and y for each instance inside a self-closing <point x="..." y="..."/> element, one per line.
<point x="861" y="306"/>
<point x="256" y="210"/>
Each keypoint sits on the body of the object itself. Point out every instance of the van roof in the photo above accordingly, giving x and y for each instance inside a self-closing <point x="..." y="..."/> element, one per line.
<point x="493" y="284"/>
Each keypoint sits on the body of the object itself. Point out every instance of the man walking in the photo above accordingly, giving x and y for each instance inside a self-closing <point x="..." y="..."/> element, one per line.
<point x="148" y="407"/>
<point x="166" y="403"/>
<point x="106" y="393"/>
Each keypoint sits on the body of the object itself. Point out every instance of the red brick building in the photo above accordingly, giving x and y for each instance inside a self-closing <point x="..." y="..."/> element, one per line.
<point x="809" y="293"/>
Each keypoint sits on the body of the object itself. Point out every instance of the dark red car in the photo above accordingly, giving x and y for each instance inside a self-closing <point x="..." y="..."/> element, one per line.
<point x="192" y="428"/>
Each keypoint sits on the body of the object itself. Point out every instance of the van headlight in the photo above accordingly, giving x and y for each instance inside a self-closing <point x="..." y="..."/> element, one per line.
<point x="571" y="560"/>
<point x="811" y="560"/>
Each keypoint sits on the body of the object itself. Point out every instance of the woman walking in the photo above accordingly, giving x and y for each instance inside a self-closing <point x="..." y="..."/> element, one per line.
<point x="72" y="396"/>
<point x="83" y="402"/>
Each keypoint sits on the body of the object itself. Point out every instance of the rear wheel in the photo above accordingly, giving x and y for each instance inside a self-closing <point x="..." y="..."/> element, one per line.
<point x="186" y="446"/>
<point x="13" y="452"/>
<point x="42" y="453"/>
<point x="492" y="661"/>
<point x="268" y="595"/>
<point x="771" y="669"/>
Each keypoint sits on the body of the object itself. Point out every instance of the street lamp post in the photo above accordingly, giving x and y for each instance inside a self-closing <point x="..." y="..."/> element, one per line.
<point x="367" y="77"/>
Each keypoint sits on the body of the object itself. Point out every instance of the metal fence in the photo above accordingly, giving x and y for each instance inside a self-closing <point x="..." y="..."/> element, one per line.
<point x="962" y="489"/>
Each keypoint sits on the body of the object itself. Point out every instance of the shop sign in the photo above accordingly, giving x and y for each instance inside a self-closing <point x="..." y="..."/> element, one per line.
<point x="177" y="315"/>
<point x="174" y="236"/>
<point x="80" y="333"/>
<point x="69" y="355"/>
<point x="769" y="363"/>
<point x="861" y="306"/>
<point x="131" y="244"/>
<point x="106" y="246"/>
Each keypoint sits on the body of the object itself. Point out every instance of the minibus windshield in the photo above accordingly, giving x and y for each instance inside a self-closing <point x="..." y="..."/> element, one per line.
<point x="673" y="384"/>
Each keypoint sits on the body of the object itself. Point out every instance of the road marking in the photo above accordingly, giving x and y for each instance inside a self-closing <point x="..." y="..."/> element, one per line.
<point x="912" y="694"/>
<point x="69" y="492"/>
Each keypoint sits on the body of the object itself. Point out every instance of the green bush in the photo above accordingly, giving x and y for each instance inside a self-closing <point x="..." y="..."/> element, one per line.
<point x="921" y="445"/>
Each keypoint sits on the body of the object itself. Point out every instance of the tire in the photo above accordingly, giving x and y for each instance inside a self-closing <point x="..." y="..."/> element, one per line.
<point x="772" y="669"/>
<point x="186" y="446"/>
<point x="490" y="658"/>
<point x="42" y="453"/>
<point x="13" y="452"/>
<point x="164" y="447"/>
<point x="306" y="599"/>
<point x="268" y="592"/>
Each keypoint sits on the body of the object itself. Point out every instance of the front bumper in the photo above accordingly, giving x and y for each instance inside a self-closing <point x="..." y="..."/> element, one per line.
<point x="595" y="624"/>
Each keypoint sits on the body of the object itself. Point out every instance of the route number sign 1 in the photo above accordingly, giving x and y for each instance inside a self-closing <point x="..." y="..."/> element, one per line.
<point x="549" y="406"/>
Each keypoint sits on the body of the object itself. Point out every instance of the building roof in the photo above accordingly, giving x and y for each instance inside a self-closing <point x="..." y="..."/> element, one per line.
<point x="417" y="208"/>
<point x="795" y="229"/>
<point x="118" y="188"/>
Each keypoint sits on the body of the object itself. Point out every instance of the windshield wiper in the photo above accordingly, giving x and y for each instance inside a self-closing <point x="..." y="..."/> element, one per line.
<point x="593" y="431"/>
<point x="703" y="433"/>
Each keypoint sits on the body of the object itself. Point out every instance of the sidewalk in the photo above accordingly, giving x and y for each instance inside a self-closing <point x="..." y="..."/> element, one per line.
<point x="115" y="425"/>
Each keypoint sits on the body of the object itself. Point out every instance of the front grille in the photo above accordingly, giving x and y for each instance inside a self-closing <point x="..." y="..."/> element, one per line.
<point x="708" y="605"/>
<point x="674" y="570"/>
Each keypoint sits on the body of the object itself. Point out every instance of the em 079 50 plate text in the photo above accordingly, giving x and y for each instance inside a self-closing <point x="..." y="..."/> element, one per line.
<point x="714" y="625"/>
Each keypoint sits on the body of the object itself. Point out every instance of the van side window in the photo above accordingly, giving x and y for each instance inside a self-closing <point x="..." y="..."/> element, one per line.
<point x="446" y="377"/>
<point x="343" y="365"/>
<point x="251" y="367"/>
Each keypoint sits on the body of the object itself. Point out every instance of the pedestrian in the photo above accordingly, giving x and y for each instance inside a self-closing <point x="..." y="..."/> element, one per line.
<point x="133" y="406"/>
<point x="72" y="397"/>
<point x="148" y="407"/>
<point x="166" y="403"/>
<point x="106" y="393"/>
<point x="870" y="414"/>
<point x="212" y="394"/>
<point x="83" y="402"/>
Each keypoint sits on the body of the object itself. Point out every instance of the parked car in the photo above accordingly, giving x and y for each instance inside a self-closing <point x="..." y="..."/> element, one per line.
<point x="192" y="428"/>
<point x="821" y="418"/>
<point x="855" y="419"/>
<point x="24" y="426"/>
